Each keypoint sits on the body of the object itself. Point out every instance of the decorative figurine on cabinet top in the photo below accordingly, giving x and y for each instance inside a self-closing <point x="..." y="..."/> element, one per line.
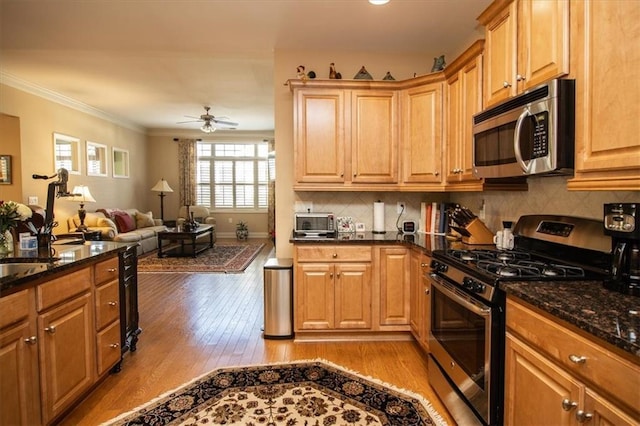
<point x="333" y="75"/>
<point x="363" y="74"/>
<point x="388" y="76"/>
<point x="301" y="75"/>
<point x="438" y="64"/>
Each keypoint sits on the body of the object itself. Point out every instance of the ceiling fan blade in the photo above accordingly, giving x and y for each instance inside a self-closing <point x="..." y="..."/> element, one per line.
<point x="225" y="123"/>
<point x="189" y="121"/>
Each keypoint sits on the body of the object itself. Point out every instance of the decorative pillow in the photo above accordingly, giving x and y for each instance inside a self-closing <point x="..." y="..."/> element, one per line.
<point x="107" y="223"/>
<point x="144" y="220"/>
<point x="124" y="222"/>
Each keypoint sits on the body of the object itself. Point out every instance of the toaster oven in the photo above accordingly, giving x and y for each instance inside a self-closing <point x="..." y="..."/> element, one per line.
<point x="314" y="224"/>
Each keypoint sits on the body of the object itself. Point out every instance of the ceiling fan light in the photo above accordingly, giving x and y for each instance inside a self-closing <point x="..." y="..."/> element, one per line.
<point x="207" y="128"/>
<point x="378" y="2"/>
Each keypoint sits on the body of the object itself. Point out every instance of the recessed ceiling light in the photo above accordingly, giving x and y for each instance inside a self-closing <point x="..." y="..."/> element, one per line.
<point x="378" y="2"/>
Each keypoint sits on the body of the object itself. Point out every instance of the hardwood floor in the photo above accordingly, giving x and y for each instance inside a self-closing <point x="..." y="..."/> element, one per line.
<point x="193" y="323"/>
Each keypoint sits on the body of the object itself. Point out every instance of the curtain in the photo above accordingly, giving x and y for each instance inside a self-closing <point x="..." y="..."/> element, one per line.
<point x="187" y="171"/>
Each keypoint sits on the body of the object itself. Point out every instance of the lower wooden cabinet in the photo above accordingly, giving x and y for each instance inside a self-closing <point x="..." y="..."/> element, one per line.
<point x="394" y="277"/>
<point x="420" y="316"/>
<point x="554" y="376"/>
<point x="19" y="380"/>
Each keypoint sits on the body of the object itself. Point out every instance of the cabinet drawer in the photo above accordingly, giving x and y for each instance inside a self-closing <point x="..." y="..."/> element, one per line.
<point x="63" y="288"/>
<point x="14" y="308"/>
<point x="107" y="304"/>
<point x="333" y="253"/>
<point x="602" y="368"/>
<point x="106" y="270"/>
<point x="109" y="352"/>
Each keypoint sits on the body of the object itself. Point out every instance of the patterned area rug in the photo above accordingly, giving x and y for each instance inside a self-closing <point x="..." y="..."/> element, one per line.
<point x="223" y="257"/>
<point x="301" y="393"/>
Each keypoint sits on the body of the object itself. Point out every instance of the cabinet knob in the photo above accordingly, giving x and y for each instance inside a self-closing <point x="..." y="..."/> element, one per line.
<point x="114" y="345"/>
<point x="111" y="270"/>
<point x="338" y="275"/>
<point x="577" y="359"/>
<point x="51" y="329"/>
<point x="427" y="291"/>
<point x="520" y="77"/>
<point x="31" y="340"/>
<point x="506" y="84"/>
<point x="568" y="405"/>
<point x="334" y="255"/>
<point x="436" y="173"/>
<point x="113" y="303"/>
<point x="355" y="174"/>
<point x="583" y="417"/>
<point x="331" y="275"/>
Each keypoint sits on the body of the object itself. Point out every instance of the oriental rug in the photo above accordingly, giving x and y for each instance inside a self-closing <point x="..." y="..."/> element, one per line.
<point x="301" y="393"/>
<point x="223" y="257"/>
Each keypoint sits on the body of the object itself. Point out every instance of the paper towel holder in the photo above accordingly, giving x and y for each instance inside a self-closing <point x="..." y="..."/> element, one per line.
<point x="381" y="206"/>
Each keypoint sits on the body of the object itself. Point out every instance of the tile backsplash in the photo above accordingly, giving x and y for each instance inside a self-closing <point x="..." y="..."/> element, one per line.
<point x="546" y="195"/>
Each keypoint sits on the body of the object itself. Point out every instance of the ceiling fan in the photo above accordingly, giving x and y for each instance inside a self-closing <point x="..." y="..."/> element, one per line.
<point x="209" y="121"/>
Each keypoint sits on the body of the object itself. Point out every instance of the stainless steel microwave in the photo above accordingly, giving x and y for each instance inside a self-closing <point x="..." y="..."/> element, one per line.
<point x="314" y="224"/>
<point x="532" y="133"/>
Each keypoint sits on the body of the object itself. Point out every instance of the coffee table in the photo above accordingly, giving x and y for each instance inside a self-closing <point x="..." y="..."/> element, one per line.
<point x="189" y="246"/>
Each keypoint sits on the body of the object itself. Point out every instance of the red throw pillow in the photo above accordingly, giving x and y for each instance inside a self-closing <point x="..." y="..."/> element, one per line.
<point x="124" y="222"/>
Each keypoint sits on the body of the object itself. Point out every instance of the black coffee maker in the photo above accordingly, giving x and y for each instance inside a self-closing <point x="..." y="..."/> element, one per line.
<point x="621" y="222"/>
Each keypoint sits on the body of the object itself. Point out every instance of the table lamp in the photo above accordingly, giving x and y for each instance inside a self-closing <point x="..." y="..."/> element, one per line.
<point x="162" y="186"/>
<point x="82" y="195"/>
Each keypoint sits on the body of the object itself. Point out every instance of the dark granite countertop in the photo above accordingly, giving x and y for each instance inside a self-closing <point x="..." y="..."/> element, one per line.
<point x="608" y="315"/>
<point x="65" y="257"/>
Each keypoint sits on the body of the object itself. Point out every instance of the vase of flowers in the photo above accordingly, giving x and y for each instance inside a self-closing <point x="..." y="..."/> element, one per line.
<point x="10" y="214"/>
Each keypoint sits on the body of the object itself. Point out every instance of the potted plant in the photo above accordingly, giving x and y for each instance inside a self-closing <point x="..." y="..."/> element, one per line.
<point x="242" y="230"/>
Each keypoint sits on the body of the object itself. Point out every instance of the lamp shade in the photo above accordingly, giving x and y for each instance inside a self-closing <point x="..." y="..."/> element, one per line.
<point x="208" y="127"/>
<point x="162" y="186"/>
<point x="81" y="194"/>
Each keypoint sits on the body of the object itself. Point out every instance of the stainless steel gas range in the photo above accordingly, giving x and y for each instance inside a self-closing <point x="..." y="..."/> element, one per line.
<point x="467" y="335"/>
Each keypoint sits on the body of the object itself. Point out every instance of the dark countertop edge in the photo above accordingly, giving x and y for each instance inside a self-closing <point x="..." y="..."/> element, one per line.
<point x="427" y="243"/>
<point x="561" y="309"/>
<point x="9" y="285"/>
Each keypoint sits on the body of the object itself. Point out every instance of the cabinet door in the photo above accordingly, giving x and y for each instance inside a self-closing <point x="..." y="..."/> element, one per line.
<point x="67" y="359"/>
<point x="420" y="299"/>
<point x="464" y="100"/>
<point x="422" y="134"/>
<point x="607" y="92"/>
<point x="320" y="136"/>
<point x="374" y="136"/>
<point x="535" y="389"/>
<point x="394" y="286"/>
<point x="353" y="295"/>
<point x="19" y="383"/>
<point x="314" y="296"/>
<point x="598" y="411"/>
<point x="500" y="55"/>
<point x="543" y="41"/>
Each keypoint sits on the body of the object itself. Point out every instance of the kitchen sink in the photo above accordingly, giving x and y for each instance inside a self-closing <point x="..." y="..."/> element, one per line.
<point x="21" y="269"/>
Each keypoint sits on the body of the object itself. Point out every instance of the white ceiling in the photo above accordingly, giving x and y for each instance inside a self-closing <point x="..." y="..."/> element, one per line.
<point x="151" y="62"/>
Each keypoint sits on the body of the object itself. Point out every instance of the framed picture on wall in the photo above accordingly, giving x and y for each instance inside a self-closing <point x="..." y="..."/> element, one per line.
<point x="67" y="153"/>
<point x="120" y="162"/>
<point x="5" y="169"/>
<point x="96" y="159"/>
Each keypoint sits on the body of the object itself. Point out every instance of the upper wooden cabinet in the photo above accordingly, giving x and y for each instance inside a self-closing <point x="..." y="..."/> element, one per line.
<point x="345" y="137"/>
<point x="527" y="43"/>
<point x="422" y="135"/>
<point x="463" y="100"/>
<point x="607" y="91"/>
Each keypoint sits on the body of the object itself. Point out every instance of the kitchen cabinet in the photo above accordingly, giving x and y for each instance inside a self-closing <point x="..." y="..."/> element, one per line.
<point x="332" y="288"/>
<point x="420" y="315"/>
<point x="607" y="88"/>
<point x="463" y="100"/>
<point x="66" y="339"/>
<point x="527" y="43"/>
<point x="422" y="135"/>
<point x="129" y="315"/>
<point x="345" y="137"/>
<point x="19" y="381"/>
<point x="107" y="310"/>
<point x="573" y="378"/>
<point x="395" y="285"/>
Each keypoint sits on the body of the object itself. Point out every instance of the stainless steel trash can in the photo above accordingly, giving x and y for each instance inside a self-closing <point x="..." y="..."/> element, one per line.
<point x="278" y="298"/>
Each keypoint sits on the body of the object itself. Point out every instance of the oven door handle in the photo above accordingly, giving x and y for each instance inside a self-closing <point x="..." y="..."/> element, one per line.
<point x="478" y="308"/>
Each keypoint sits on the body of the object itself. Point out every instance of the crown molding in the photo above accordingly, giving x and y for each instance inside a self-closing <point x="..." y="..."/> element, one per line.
<point x="50" y="95"/>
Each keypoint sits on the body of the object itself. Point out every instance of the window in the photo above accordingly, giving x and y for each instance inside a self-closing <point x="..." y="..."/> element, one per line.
<point x="67" y="153"/>
<point x="120" y="163"/>
<point x="232" y="175"/>
<point x="96" y="159"/>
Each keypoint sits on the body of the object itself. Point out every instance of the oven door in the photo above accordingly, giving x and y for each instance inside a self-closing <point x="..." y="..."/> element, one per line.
<point x="460" y="342"/>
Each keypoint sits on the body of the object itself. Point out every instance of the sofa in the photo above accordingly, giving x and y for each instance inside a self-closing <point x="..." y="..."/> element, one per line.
<point x="124" y="226"/>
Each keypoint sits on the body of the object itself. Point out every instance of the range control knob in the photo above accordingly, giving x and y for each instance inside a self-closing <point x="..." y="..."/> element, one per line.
<point x="438" y="267"/>
<point x="473" y="285"/>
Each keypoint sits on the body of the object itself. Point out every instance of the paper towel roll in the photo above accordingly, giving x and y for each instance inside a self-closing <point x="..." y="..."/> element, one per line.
<point x="378" y="217"/>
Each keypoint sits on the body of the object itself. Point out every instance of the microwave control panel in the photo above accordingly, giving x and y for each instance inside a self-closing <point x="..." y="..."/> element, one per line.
<point x="540" y="134"/>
